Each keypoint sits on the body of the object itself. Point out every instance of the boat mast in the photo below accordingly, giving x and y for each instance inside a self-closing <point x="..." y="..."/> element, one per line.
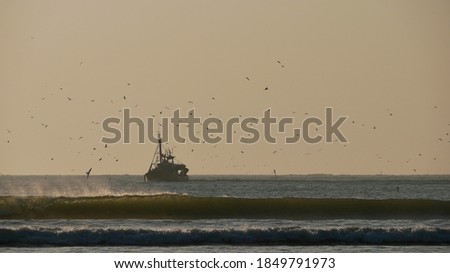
<point x="160" y="148"/>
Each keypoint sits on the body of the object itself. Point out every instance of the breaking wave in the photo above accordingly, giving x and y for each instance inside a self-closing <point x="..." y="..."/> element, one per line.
<point x="272" y="236"/>
<point x="171" y="206"/>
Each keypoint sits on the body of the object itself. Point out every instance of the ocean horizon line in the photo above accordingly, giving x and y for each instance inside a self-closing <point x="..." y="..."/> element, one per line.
<point x="248" y="175"/>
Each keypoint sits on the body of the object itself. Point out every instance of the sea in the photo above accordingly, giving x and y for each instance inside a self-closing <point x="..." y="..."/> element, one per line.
<point x="220" y="213"/>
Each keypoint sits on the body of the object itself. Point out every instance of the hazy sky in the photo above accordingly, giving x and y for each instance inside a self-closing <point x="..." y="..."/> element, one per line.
<point x="385" y="64"/>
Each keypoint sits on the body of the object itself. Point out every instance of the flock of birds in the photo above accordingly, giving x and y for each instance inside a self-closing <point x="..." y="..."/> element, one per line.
<point x="266" y="88"/>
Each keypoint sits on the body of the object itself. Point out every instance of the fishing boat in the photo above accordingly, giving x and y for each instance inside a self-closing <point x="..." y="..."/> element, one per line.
<point x="164" y="167"/>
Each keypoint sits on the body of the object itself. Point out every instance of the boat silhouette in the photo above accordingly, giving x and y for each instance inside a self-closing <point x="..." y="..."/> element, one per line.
<point x="164" y="168"/>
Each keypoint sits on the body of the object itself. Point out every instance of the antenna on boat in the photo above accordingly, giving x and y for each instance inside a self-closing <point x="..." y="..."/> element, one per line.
<point x="160" y="148"/>
<point x="156" y="151"/>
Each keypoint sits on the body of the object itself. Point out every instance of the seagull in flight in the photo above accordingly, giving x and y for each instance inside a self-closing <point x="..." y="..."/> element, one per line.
<point x="88" y="173"/>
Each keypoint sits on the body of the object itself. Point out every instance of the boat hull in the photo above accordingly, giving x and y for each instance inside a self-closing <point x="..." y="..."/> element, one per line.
<point x="155" y="175"/>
